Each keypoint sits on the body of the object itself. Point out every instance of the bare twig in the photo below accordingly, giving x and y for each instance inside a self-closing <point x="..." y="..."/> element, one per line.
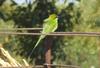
<point x="6" y="29"/>
<point x="55" y="33"/>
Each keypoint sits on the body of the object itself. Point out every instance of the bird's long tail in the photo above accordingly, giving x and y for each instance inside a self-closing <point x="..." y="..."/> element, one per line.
<point x="35" y="47"/>
<point x="41" y="37"/>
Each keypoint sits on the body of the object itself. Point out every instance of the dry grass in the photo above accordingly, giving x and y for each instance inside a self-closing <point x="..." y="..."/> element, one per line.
<point x="6" y="60"/>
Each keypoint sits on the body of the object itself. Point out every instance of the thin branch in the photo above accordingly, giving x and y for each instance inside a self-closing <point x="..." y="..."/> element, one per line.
<point x="6" y="29"/>
<point x="59" y="65"/>
<point x="55" y="33"/>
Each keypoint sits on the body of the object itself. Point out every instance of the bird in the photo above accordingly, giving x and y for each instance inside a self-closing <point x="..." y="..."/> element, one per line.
<point x="50" y="25"/>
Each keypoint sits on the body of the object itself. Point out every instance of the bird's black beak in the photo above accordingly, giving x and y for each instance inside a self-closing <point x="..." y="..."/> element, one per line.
<point x="58" y="16"/>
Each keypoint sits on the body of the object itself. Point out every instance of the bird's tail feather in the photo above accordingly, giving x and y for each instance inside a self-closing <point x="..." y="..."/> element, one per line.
<point x="36" y="45"/>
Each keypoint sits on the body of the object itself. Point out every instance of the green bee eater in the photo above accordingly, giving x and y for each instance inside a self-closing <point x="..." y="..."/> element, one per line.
<point x="50" y="25"/>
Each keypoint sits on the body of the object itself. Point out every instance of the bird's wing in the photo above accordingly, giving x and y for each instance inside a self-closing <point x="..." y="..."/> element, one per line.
<point x="51" y="26"/>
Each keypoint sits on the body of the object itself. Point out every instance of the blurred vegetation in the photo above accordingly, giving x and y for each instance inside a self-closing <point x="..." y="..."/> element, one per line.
<point x="78" y="16"/>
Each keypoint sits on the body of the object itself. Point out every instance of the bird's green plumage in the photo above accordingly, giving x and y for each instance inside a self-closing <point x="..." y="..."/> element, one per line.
<point x="50" y="25"/>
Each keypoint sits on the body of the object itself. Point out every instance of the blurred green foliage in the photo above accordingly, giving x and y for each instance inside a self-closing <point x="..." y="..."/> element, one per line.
<point x="80" y="16"/>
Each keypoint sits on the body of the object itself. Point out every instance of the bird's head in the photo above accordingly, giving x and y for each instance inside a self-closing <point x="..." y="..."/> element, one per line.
<point x="53" y="16"/>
